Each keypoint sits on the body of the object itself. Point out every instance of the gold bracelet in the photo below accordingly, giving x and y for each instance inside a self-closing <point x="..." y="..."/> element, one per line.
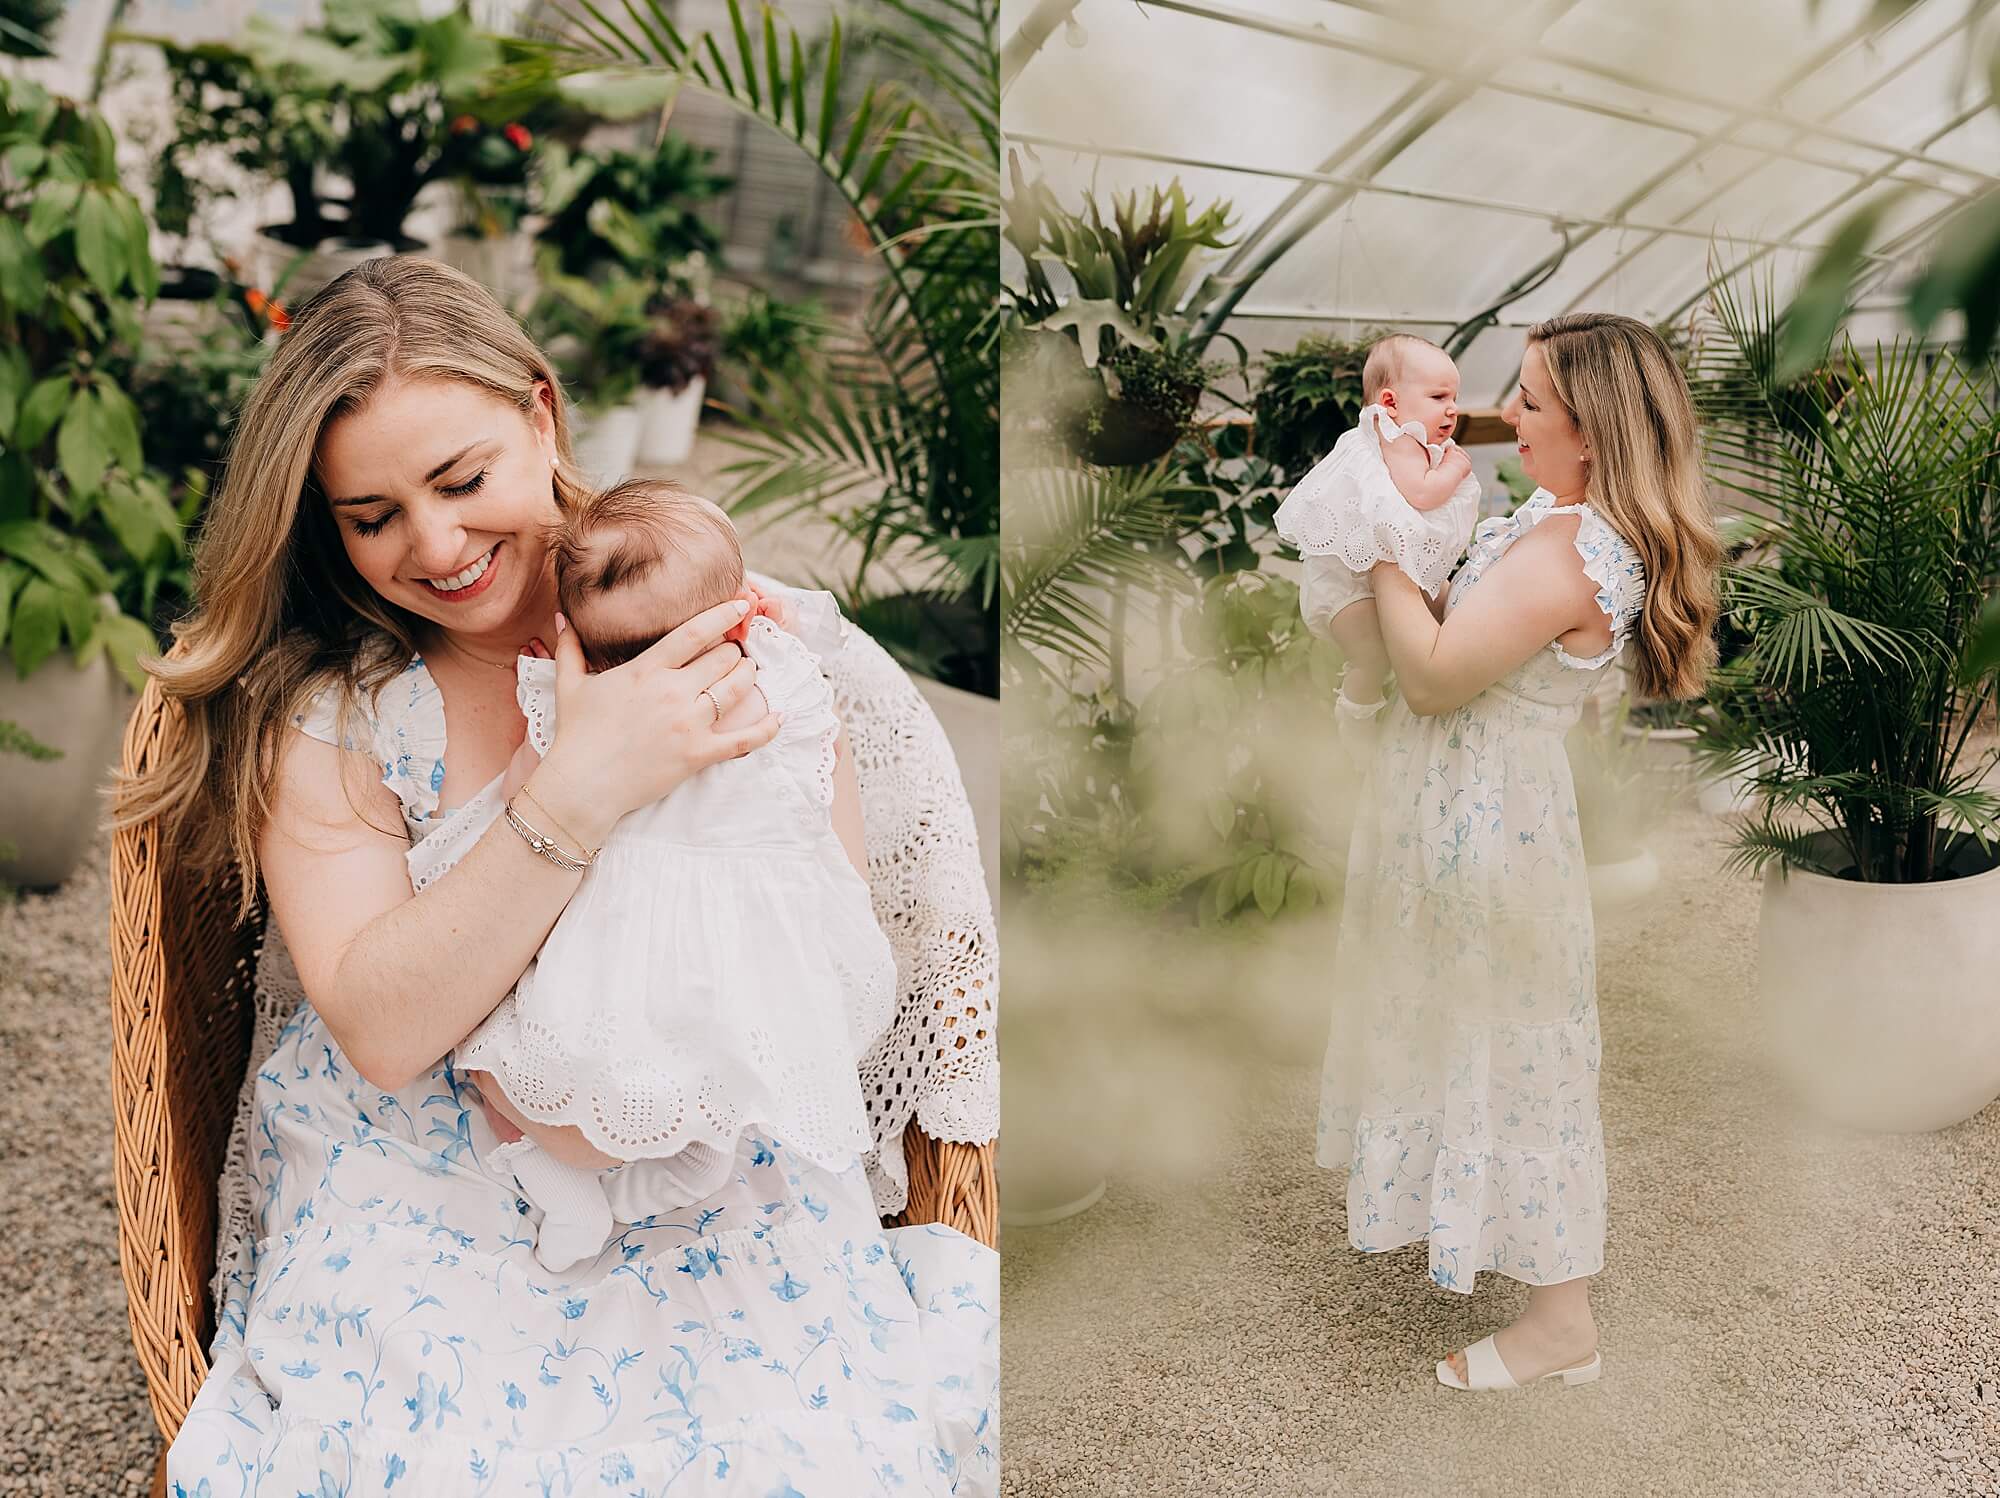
<point x="588" y="851"/>
<point x="547" y="847"/>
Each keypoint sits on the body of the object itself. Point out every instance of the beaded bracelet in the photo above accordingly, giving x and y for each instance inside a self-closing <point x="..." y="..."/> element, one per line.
<point x="546" y="846"/>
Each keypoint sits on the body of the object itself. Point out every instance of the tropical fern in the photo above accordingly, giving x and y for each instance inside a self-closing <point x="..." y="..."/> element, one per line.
<point x="898" y="439"/>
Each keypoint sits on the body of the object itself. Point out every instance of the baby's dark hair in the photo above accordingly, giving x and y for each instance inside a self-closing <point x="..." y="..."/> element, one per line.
<point x="635" y="531"/>
<point x="1384" y="364"/>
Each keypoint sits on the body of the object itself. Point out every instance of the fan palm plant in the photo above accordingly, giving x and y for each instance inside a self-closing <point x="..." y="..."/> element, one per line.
<point x="898" y="440"/>
<point x="1865" y="673"/>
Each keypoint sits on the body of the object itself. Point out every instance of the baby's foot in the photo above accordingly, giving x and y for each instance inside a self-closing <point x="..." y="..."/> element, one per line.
<point x="576" y="1216"/>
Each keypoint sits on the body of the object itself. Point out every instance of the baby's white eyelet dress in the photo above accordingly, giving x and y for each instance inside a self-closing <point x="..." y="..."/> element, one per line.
<point x="718" y="970"/>
<point x="1347" y="514"/>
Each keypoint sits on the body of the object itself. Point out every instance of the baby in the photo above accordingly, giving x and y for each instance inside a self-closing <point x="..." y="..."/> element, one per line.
<point x="719" y="969"/>
<point x="1394" y="489"/>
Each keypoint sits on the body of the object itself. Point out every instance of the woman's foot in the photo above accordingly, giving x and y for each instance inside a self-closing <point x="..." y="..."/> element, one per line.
<point x="1535" y="1346"/>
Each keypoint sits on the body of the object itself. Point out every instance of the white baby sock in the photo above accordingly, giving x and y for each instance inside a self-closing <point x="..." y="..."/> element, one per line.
<point x="1357" y="724"/>
<point x="576" y="1217"/>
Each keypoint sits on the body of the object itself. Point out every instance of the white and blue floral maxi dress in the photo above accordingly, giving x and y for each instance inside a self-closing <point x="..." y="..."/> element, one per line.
<point x="392" y="1332"/>
<point x="1460" y="1086"/>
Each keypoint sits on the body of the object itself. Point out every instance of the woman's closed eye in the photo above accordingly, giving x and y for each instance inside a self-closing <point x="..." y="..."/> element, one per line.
<point x="375" y="526"/>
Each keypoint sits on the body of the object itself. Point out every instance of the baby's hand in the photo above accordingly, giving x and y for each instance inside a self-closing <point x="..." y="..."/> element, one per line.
<point x="1455" y="461"/>
<point x="773" y="609"/>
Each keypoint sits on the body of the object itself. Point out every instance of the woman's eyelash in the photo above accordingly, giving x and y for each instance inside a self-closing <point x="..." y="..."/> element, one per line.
<point x="375" y="527"/>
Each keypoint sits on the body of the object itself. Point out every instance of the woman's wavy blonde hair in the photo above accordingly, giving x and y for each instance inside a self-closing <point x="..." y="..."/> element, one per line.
<point x="1630" y="401"/>
<point x="279" y="611"/>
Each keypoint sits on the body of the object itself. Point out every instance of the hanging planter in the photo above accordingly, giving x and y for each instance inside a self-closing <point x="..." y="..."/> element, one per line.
<point x="1143" y="407"/>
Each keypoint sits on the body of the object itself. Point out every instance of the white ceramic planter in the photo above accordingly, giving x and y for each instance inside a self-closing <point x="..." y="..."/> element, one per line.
<point x="49" y="811"/>
<point x="606" y="444"/>
<point x="667" y="422"/>
<point x="1879" y="999"/>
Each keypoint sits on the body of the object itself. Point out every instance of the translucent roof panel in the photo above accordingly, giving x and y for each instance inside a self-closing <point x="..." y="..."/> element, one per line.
<point x="1413" y="161"/>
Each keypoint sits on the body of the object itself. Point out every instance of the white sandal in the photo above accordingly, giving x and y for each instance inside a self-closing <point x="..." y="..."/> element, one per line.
<point x="1487" y="1371"/>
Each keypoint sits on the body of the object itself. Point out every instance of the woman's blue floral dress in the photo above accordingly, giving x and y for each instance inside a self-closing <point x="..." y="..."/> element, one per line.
<point x="1460" y="1088"/>
<point x="392" y="1332"/>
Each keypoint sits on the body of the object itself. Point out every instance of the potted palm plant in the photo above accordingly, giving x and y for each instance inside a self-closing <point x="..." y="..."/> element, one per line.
<point x="1852" y="709"/>
<point x="87" y="534"/>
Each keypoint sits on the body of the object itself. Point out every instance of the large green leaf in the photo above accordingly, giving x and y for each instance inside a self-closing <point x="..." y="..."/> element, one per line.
<point x="42" y="409"/>
<point x="22" y="282"/>
<point x="83" y="448"/>
<point x="100" y="241"/>
<point x="37" y="626"/>
<point x="621" y="93"/>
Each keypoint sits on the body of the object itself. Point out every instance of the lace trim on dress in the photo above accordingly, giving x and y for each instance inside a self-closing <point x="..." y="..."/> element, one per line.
<point x="1610" y="562"/>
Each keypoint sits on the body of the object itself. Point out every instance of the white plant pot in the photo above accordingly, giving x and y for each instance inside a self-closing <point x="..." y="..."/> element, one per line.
<point x="1728" y="796"/>
<point x="1623" y="881"/>
<point x="606" y="444"/>
<point x="667" y="422"/>
<point x="1879" y="998"/>
<point x="50" y="810"/>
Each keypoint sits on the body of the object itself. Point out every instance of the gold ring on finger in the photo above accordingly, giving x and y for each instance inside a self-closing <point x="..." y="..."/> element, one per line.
<point x="713" y="704"/>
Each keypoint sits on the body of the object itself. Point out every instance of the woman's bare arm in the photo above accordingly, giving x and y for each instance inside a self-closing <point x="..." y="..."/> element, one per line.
<point x="399" y="979"/>
<point x="1534" y="595"/>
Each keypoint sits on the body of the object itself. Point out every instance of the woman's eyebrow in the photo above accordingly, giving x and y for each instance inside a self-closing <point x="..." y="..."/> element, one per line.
<point x="430" y="478"/>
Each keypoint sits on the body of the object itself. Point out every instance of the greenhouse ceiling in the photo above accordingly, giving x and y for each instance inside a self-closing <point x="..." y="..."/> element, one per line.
<point x="1415" y="164"/>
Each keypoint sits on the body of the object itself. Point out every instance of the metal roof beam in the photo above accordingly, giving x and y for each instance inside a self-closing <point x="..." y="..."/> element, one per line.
<point x="1668" y="89"/>
<point x="1362" y="185"/>
<point x="1819" y="213"/>
<point x="1443" y="98"/>
<point x="1878" y="22"/>
<point x="1417" y="62"/>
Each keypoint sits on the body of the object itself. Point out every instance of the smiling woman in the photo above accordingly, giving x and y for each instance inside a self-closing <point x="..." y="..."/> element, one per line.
<point x="372" y="570"/>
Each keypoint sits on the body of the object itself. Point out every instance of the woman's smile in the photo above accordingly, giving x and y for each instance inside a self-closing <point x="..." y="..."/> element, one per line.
<point x="469" y="582"/>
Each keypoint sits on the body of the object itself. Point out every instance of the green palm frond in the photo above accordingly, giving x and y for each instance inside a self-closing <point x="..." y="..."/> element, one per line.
<point x="897" y="441"/>
<point x="1071" y="532"/>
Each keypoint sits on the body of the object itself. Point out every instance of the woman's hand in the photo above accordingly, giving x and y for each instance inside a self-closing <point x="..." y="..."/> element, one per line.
<point x="627" y="736"/>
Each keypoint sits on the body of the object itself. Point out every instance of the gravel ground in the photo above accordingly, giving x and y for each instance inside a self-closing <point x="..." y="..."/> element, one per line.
<point x="1782" y="1309"/>
<point x="73" y="1412"/>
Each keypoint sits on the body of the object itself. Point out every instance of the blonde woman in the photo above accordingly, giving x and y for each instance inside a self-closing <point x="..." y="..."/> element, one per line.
<point x="1460" y="1090"/>
<point x="370" y="570"/>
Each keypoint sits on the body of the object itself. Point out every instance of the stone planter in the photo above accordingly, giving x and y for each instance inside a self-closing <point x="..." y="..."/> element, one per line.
<point x="1879" y="998"/>
<point x="667" y="422"/>
<point x="50" y="811"/>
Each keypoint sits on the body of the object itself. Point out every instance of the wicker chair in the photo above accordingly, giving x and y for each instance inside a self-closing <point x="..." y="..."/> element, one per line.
<point x="181" y="1010"/>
